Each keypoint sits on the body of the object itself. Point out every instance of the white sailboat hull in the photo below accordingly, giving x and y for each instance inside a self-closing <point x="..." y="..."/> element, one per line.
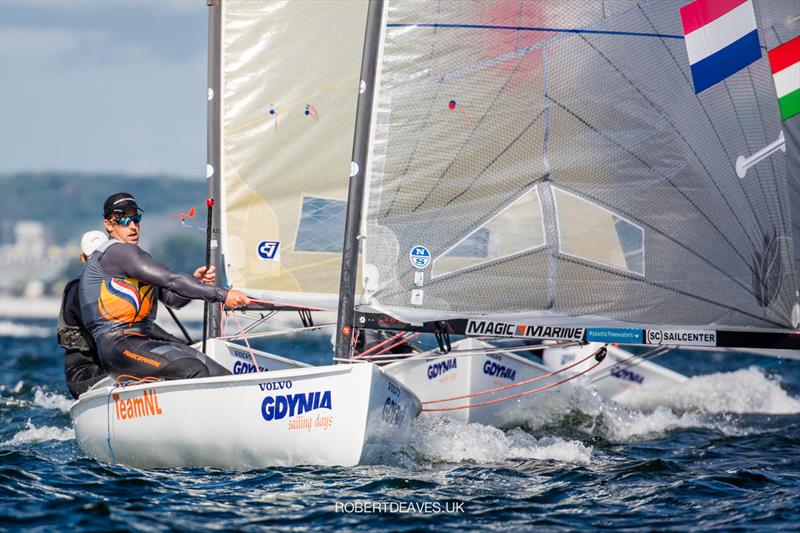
<point x="620" y="375"/>
<point x="331" y="415"/>
<point x="449" y="376"/>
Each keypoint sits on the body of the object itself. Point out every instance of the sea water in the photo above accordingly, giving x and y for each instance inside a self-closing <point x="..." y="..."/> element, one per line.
<point x="720" y="451"/>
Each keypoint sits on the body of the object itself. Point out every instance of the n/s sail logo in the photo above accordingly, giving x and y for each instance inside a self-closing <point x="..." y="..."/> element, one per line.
<point x="268" y="250"/>
<point x="420" y="256"/>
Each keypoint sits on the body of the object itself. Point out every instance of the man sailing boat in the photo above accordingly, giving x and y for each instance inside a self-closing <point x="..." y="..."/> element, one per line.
<point x="119" y="289"/>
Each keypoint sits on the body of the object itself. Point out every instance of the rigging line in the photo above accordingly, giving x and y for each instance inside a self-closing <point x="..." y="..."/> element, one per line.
<point x="428" y="116"/>
<point x="664" y="115"/>
<point x="632" y="360"/>
<point x="514" y="396"/>
<point x="598" y="266"/>
<point x="708" y="118"/>
<point x="265" y="334"/>
<point x="247" y="342"/>
<point x="668" y="180"/>
<point x="520" y="383"/>
<point x="472" y="133"/>
<point x="531" y="28"/>
<point x="436" y="354"/>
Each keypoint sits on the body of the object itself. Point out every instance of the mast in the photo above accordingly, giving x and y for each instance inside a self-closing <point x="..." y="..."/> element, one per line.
<point x="355" y="194"/>
<point x="212" y="312"/>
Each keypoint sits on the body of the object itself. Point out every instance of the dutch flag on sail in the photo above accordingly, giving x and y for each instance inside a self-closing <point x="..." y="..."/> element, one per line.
<point x="721" y="39"/>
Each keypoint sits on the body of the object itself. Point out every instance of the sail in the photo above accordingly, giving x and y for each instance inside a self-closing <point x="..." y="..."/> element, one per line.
<point x="289" y="75"/>
<point x="782" y="23"/>
<point x="556" y="161"/>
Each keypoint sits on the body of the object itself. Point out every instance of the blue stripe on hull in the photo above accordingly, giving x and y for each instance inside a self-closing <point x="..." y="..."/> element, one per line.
<point x="725" y="62"/>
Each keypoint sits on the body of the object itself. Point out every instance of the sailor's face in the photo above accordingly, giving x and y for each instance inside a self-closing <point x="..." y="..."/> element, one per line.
<point x="128" y="234"/>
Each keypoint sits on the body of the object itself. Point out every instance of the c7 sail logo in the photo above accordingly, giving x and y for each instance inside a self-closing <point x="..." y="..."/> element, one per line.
<point x="268" y="250"/>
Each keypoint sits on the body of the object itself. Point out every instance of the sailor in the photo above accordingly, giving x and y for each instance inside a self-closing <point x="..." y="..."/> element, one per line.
<point x="81" y="365"/>
<point x="119" y="292"/>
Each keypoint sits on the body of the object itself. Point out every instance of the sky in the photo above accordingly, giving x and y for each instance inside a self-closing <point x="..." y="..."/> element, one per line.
<point x="103" y="85"/>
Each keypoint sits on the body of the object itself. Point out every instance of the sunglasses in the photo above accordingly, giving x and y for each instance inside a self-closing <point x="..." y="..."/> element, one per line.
<point x="126" y="220"/>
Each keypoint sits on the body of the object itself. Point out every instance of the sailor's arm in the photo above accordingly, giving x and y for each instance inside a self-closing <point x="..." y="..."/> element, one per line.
<point x="127" y="260"/>
<point x="173" y="300"/>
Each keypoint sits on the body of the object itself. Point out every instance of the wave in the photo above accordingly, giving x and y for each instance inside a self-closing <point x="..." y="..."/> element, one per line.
<point x="40" y="434"/>
<point x="747" y="390"/>
<point x="702" y="401"/>
<point x="444" y="439"/>
<point x="51" y="400"/>
<point x="20" y="330"/>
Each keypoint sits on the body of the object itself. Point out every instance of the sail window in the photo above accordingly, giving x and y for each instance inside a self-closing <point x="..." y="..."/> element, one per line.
<point x="321" y="227"/>
<point x="596" y="234"/>
<point x="516" y="228"/>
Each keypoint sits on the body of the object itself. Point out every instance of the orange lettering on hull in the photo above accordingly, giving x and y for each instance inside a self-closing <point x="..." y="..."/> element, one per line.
<point x="145" y="405"/>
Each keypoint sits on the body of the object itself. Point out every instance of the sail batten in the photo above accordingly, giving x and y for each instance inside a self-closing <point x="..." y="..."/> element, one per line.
<point x="640" y="217"/>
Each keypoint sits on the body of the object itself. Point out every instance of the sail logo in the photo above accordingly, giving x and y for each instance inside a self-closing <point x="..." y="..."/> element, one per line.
<point x="268" y="250"/>
<point x="275" y="385"/>
<point x="627" y="375"/>
<point x="549" y="332"/>
<point x="485" y="327"/>
<point x="682" y="337"/>
<point x="490" y="368"/>
<point x="137" y="407"/>
<point x="420" y="256"/>
<point x="243" y="367"/>
<point x="393" y="413"/>
<point x="437" y="369"/>
<point x="503" y="329"/>
<point x="281" y="406"/>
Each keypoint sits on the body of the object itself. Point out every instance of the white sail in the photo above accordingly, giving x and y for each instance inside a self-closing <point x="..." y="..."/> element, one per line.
<point x="289" y="90"/>
<point x="550" y="160"/>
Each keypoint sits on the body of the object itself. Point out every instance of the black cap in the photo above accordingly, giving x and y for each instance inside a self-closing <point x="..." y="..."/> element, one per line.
<point x="120" y="203"/>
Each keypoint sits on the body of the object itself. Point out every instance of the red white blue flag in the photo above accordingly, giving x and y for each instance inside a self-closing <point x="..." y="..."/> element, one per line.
<point x="721" y="39"/>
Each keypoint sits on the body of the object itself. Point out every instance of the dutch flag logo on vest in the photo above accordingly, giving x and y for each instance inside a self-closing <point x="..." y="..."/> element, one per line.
<point x="721" y="39"/>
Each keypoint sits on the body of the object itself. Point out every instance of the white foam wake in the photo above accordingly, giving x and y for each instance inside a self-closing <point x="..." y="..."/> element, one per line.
<point x="16" y="329"/>
<point x="443" y="439"/>
<point x="44" y="433"/>
<point x="743" y="391"/>
<point x="51" y="400"/>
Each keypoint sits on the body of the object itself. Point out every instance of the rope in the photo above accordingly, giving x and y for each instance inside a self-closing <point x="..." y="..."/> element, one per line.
<point x="652" y="354"/>
<point x="382" y="343"/>
<point x="293" y="306"/>
<point x="264" y="334"/>
<point x="398" y="343"/>
<point x="435" y="354"/>
<point x="247" y="342"/>
<point x="599" y="354"/>
<point x="137" y="379"/>
<point x="108" y="423"/>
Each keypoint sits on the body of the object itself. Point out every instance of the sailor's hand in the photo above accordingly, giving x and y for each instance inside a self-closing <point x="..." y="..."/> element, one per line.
<point x="236" y="299"/>
<point x="205" y="275"/>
